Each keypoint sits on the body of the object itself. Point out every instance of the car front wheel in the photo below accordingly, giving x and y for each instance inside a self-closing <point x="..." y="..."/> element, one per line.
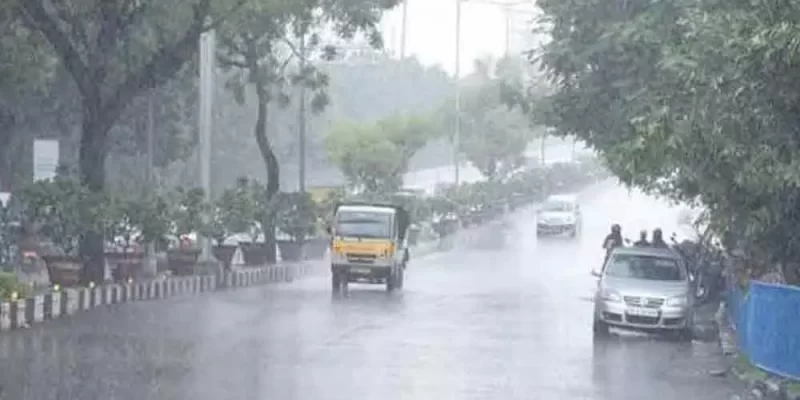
<point x="600" y="328"/>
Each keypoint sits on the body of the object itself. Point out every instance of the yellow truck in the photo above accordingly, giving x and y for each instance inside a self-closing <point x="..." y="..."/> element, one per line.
<point x="369" y="244"/>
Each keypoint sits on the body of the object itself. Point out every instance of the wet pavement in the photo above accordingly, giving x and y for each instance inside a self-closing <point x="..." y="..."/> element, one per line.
<point x="511" y="320"/>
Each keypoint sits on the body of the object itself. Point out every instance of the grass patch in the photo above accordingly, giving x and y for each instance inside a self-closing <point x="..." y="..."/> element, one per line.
<point x="749" y="371"/>
<point x="793" y="388"/>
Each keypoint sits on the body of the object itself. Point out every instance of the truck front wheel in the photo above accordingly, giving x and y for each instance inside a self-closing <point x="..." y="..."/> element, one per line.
<point x="338" y="282"/>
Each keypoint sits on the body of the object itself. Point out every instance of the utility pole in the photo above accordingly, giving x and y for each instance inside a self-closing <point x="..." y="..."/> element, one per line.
<point x="507" y="11"/>
<point x="301" y="120"/>
<point x="403" y="26"/>
<point x="457" y="133"/>
<point x="207" y="70"/>
<point x="151" y="264"/>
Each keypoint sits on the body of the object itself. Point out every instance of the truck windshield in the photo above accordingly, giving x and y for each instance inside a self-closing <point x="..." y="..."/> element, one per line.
<point x="363" y="224"/>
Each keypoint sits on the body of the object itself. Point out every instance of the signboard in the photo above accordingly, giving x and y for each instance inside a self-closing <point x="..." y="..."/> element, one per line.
<point x="45" y="159"/>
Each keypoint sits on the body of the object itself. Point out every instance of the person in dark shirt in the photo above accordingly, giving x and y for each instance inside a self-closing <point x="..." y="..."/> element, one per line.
<point x="612" y="240"/>
<point x="642" y="242"/>
<point x="658" y="239"/>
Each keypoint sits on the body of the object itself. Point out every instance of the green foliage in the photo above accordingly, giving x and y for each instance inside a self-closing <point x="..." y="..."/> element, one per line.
<point x="692" y="100"/>
<point x="188" y="211"/>
<point x="62" y="210"/>
<point x="241" y="209"/>
<point x="297" y="215"/>
<point x="374" y="157"/>
<point x="150" y="216"/>
<point x="494" y="134"/>
<point x="9" y="284"/>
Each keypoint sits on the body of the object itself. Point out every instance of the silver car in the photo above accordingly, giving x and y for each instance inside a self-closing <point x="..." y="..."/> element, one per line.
<point x="644" y="288"/>
<point x="558" y="215"/>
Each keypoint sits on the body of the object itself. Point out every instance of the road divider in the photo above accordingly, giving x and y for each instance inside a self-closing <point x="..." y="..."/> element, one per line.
<point x="25" y="312"/>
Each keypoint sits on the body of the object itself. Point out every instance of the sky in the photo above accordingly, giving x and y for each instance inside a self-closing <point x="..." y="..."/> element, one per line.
<point x="431" y="31"/>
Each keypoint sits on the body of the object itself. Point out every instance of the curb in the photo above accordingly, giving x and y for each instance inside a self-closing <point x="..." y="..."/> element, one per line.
<point x="759" y="387"/>
<point x="40" y="308"/>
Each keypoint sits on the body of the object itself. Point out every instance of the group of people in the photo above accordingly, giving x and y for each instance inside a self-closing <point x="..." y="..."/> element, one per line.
<point x="615" y="239"/>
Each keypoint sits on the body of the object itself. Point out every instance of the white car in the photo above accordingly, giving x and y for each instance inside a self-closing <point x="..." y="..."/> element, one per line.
<point x="560" y="214"/>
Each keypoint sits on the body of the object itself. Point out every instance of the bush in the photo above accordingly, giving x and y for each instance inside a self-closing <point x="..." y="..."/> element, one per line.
<point x="10" y="284"/>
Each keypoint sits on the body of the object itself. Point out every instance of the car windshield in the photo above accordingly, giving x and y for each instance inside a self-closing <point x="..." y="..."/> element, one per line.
<point x="557" y="206"/>
<point x="651" y="268"/>
<point x="363" y="224"/>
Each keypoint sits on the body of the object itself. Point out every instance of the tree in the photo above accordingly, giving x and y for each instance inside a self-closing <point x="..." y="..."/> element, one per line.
<point x="258" y="45"/>
<point x="366" y="157"/>
<point x="375" y="156"/>
<point x="114" y="50"/>
<point x="692" y="100"/>
<point x="494" y="136"/>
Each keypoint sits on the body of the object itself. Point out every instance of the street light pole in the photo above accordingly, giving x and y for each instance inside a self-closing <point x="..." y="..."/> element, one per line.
<point x="301" y="120"/>
<point x="457" y="133"/>
<point x="507" y="11"/>
<point x="403" y="26"/>
<point x="207" y="69"/>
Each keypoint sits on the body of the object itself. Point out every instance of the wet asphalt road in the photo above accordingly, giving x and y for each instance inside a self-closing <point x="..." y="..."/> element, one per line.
<point x="511" y="321"/>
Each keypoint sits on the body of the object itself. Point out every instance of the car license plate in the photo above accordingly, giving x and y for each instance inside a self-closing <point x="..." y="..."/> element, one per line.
<point x="642" y="312"/>
<point x="360" y="271"/>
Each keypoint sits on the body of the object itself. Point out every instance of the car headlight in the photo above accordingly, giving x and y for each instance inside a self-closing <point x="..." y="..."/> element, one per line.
<point x="611" y="296"/>
<point x="677" y="301"/>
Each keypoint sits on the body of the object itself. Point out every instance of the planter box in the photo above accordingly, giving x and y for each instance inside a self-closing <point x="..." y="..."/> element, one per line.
<point x="224" y="254"/>
<point x="254" y="253"/>
<point x="182" y="262"/>
<point x="291" y="250"/>
<point x="64" y="270"/>
<point x="125" y="266"/>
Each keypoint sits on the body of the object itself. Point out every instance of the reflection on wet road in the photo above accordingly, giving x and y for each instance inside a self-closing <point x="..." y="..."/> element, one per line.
<point x="505" y="323"/>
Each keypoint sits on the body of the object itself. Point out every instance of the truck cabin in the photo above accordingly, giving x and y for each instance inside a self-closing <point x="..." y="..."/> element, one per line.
<point x="368" y="221"/>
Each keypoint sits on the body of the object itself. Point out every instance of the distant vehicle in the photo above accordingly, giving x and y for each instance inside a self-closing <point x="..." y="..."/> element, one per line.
<point x="644" y="288"/>
<point x="560" y="214"/>
<point x="369" y="244"/>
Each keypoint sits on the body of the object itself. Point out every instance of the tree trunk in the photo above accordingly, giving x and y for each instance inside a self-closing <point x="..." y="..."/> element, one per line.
<point x="273" y="171"/>
<point x="92" y="163"/>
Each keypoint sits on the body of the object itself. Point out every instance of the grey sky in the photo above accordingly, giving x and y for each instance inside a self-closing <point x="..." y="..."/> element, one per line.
<point x="431" y="31"/>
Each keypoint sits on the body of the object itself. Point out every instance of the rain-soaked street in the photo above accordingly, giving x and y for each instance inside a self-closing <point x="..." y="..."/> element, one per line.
<point x="511" y="322"/>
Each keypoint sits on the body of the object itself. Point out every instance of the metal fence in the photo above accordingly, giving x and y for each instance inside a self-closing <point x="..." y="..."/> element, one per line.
<point x="766" y="318"/>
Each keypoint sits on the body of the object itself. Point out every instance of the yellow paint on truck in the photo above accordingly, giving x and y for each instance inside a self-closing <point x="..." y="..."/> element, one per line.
<point x="376" y="247"/>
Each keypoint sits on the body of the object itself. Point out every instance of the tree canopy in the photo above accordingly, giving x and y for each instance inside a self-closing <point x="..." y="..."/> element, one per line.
<point x="374" y="156"/>
<point x="694" y="100"/>
<point x="494" y="134"/>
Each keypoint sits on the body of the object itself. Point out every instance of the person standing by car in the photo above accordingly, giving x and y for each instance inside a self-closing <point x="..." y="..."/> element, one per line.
<point x="613" y="240"/>
<point x="642" y="242"/>
<point x="658" y="239"/>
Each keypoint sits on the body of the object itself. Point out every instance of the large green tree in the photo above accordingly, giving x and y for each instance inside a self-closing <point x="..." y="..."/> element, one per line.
<point x="114" y="50"/>
<point x="260" y="44"/>
<point x="374" y="156"/>
<point x="693" y="100"/>
<point x="494" y="135"/>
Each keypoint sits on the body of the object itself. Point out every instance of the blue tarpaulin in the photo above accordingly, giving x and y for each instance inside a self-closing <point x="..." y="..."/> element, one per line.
<point x="767" y="322"/>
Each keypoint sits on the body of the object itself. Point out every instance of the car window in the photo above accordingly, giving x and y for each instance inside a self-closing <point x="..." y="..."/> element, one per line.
<point x="557" y="206"/>
<point x="652" y="268"/>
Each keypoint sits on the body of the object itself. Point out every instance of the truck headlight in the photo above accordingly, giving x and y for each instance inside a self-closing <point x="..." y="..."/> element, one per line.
<point x="338" y="257"/>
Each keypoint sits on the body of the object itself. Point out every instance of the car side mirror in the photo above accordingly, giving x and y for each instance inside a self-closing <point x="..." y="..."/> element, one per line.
<point x="595" y="273"/>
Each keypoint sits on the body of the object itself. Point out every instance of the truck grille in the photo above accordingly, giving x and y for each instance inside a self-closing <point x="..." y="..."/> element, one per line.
<point x="361" y="258"/>
<point x="649" y="302"/>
